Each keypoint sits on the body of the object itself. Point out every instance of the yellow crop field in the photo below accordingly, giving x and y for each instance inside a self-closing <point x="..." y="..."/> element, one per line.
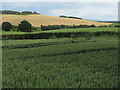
<point x="37" y="20"/>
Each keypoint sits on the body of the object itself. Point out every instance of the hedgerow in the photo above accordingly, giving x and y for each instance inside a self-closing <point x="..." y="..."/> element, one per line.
<point x="52" y="27"/>
<point x="58" y="35"/>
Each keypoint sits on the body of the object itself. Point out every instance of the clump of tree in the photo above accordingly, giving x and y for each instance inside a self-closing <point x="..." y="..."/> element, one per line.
<point x="63" y="16"/>
<point x="74" y="17"/>
<point x="92" y="26"/>
<point x="52" y="27"/>
<point x="9" y="12"/>
<point x="26" y="12"/>
<point x="103" y="26"/>
<point x="25" y="26"/>
<point x="6" y="26"/>
<point x="17" y="12"/>
<point x="70" y="17"/>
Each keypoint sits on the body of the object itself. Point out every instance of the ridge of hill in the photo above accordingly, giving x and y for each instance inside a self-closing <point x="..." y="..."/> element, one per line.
<point x="37" y="20"/>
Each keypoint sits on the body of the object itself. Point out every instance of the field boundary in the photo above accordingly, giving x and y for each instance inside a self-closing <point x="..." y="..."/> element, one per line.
<point x="56" y="35"/>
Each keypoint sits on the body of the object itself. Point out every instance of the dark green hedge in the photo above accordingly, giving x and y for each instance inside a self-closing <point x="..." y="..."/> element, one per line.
<point x="52" y="27"/>
<point x="58" y="35"/>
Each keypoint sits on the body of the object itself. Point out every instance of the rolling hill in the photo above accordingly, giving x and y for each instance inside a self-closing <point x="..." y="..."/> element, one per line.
<point x="37" y="20"/>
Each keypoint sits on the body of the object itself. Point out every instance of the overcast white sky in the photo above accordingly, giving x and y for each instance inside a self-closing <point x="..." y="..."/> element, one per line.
<point x="87" y="9"/>
<point x="59" y="0"/>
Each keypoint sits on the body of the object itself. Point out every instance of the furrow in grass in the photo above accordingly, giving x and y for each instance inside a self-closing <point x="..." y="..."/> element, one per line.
<point x="41" y="44"/>
<point x="68" y="53"/>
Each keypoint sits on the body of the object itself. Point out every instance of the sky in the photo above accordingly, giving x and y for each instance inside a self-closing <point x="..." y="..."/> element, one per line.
<point x="104" y="11"/>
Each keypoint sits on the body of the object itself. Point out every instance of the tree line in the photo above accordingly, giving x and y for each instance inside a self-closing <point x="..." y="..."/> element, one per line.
<point x="25" y="26"/>
<point x="52" y="27"/>
<point x="17" y="12"/>
<point x="70" y="17"/>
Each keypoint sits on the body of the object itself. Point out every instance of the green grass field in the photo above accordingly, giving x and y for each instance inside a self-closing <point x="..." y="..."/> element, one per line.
<point x="61" y="62"/>
<point x="114" y="29"/>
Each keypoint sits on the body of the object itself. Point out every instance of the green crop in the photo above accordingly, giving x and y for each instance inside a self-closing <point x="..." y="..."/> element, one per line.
<point x="61" y="63"/>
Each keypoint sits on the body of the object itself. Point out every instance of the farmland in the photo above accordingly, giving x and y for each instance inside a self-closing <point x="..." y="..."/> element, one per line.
<point x="59" y="45"/>
<point x="60" y="58"/>
<point x="61" y="63"/>
<point x="37" y="20"/>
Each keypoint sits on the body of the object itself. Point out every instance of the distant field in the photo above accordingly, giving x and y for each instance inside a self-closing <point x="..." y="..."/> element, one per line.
<point x="61" y="63"/>
<point x="37" y="20"/>
<point x="114" y="29"/>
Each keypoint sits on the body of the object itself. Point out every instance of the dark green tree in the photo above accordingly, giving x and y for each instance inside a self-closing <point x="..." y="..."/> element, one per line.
<point x="25" y="26"/>
<point x="26" y="12"/>
<point x="92" y="26"/>
<point x="6" y="26"/>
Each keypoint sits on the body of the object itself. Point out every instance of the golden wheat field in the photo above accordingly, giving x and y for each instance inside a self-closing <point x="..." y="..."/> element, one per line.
<point x="37" y="20"/>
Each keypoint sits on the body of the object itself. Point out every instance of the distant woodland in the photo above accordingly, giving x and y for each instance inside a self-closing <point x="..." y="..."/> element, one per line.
<point x="70" y="17"/>
<point x="17" y="12"/>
